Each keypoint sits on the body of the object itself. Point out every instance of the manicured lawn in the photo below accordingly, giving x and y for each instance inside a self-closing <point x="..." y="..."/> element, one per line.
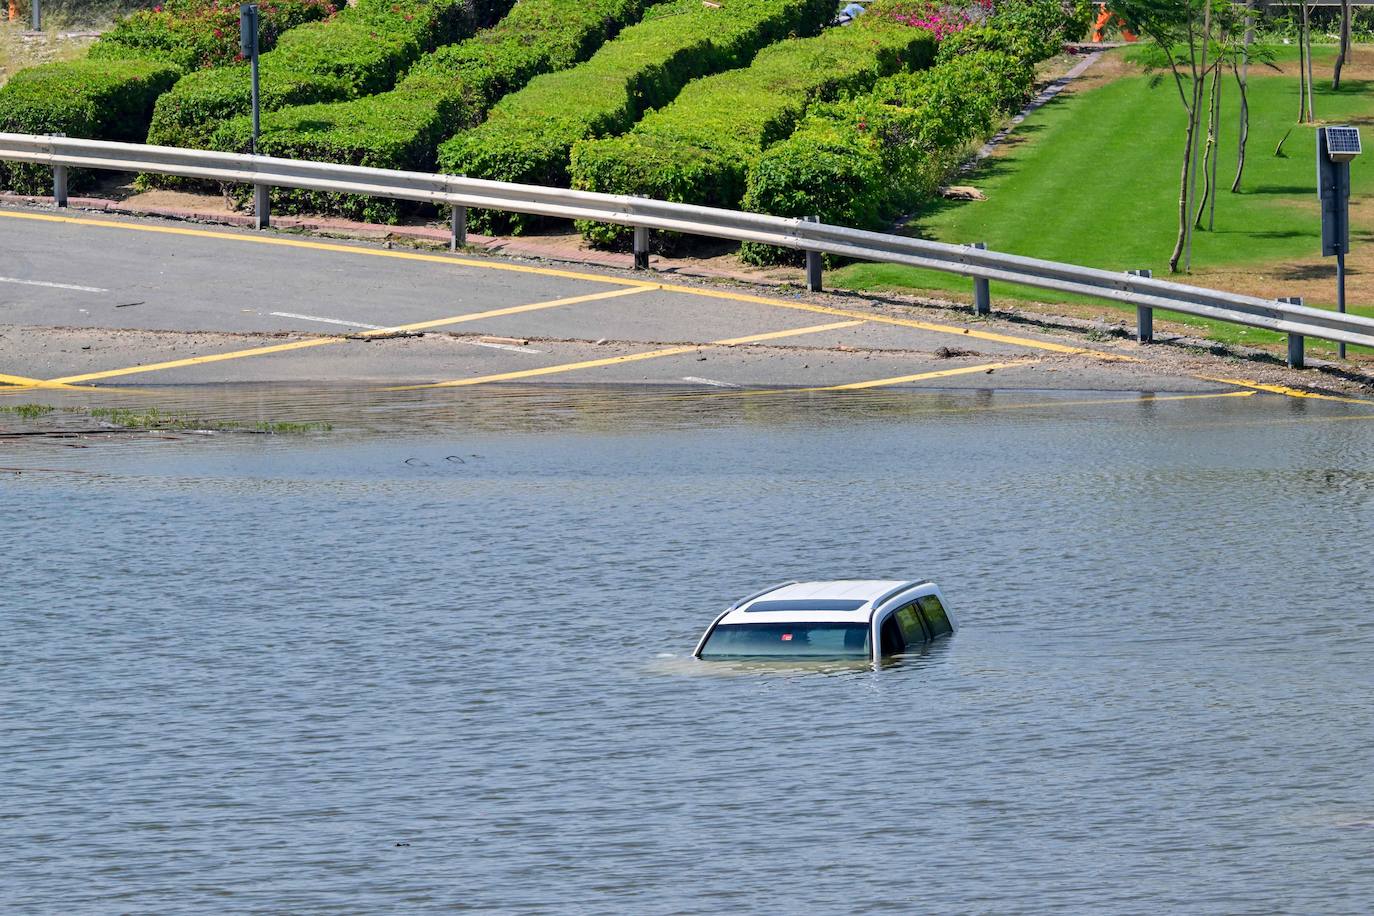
<point x="1093" y="179"/>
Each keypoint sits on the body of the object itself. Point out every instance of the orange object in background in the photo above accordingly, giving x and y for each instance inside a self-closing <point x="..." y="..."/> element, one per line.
<point x="14" y="10"/>
<point x="1106" y="17"/>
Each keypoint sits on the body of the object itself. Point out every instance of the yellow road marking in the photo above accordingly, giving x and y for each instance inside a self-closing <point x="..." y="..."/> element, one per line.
<point x="322" y="341"/>
<point x="1285" y="390"/>
<point x="628" y="358"/>
<point x="575" y="275"/>
<point x="903" y="322"/>
<point x="323" y="246"/>
<point x="21" y="383"/>
<point x="920" y="377"/>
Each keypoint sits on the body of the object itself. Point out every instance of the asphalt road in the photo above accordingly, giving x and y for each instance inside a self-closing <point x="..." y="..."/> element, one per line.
<point x="94" y="300"/>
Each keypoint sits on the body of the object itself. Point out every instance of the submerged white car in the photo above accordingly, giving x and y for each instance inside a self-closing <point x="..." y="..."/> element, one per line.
<point x="849" y="618"/>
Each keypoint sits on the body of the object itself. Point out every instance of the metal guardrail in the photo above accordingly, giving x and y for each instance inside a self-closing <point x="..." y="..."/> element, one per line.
<point x="644" y="214"/>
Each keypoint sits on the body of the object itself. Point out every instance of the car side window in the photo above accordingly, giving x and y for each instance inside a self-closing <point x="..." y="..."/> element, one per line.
<point x="891" y="637"/>
<point x="936" y="618"/>
<point x="909" y="622"/>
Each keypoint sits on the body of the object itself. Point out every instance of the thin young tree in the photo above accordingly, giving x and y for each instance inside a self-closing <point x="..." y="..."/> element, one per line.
<point x="1177" y="29"/>
<point x="1241" y="71"/>
<point x="1344" y="51"/>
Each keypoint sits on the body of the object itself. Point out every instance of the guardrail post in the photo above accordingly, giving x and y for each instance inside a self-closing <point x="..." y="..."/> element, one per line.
<point x="1297" y="358"/>
<point x="37" y="16"/>
<point x="641" y="248"/>
<point x="59" y="181"/>
<point x="262" y="206"/>
<point x="458" y="220"/>
<point x="814" y="262"/>
<point x="1144" y="315"/>
<point x="982" y="293"/>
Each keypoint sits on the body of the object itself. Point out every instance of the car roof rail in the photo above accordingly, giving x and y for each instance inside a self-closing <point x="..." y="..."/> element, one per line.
<point x="772" y="588"/>
<point x="905" y="587"/>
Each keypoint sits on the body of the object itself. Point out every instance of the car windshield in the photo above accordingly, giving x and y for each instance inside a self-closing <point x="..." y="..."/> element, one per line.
<point x="788" y="640"/>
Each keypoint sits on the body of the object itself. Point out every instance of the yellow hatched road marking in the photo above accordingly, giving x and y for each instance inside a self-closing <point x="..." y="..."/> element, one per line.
<point x="921" y="376"/>
<point x="323" y="246"/>
<point x="990" y="336"/>
<point x="322" y="341"/>
<point x="904" y="323"/>
<point x="22" y="383"/>
<point x="628" y="358"/>
<point x="1285" y="390"/>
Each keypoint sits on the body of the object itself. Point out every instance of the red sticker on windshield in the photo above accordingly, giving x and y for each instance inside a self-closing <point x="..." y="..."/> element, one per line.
<point x="787" y="637"/>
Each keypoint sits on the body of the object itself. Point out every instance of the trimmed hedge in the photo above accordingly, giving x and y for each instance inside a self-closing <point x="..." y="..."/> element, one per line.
<point x="450" y="89"/>
<point x="109" y="95"/>
<point x="700" y="148"/>
<point x="529" y="135"/>
<point x="106" y="99"/>
<point x="193" y="34"/>
<point x="861" y="162"/>
<point x="358" y="52"/>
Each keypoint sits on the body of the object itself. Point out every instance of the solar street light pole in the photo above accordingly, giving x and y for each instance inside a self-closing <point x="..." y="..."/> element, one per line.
<point x="1336" y="146"/>
<point x="248" y="41"/>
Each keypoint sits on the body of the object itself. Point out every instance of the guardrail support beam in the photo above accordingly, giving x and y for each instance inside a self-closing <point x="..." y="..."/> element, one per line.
<point x="262" y="206"/>
<point x="1297" y="357"/>
<point x="1144" y="315"/>
<point x="814" y="262"/>
<point x="641" y="248"/>
<point x="982" y="292"/>
<point x="1144" y="324"/>
<point x="458" y="220"/>
<point x="59" y="185"/>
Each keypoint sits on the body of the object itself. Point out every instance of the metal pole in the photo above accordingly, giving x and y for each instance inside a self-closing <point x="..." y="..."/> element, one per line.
<point x="813" y="262"/>
<point x="1144" y="315"/>
<point x="59" y="182"/>
<point x="1340" y="295"/>
<point x="982" y="293"/>
<point x="59" y="185"/>
<point x="1296" y="357"/>
<point x="459" y="225"/>
<point x="262" y="206"/>
<point x="37" y="12"/>
<point x="641" y="248"/>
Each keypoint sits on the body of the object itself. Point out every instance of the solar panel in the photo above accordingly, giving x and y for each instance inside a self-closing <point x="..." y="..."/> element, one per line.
<point x="1342" y="143"/>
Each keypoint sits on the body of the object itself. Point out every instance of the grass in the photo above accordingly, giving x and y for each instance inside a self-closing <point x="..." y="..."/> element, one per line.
<point x="1092" y="179"/>
<point x="16" y="53"/>
<point x="27" y="411"/>
<point x="154" y="419"/>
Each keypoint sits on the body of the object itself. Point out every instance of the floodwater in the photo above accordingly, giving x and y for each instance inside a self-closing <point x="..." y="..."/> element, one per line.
<point x="439" y="658"/>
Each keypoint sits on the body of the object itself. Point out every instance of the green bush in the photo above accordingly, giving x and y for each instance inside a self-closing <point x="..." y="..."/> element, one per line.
<point x="700" y="148"/>
<point x="104" y="99"/>
<point x="452" y="88"/>
<point x="358" y="52"/>
<point x="193" y="34"/>
<point x="110" y="94"/>
<point x="861" y="161"/>
<point x="529" y="135"/>
<point x="1032" y="30"/>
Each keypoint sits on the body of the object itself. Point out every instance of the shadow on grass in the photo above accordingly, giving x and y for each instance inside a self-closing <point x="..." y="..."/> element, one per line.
<point x="1281" y="189"/>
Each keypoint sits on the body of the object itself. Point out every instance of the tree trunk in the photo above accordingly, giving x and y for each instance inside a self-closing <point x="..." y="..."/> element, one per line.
<point x="1344" y="47"/>
<point x="1213" y="139"/>
<point x="1183" y="209"/>
<point x="1307" y="45"/>
<point x="1244" y="129"/>
<point x="1199" y="73"/>
<point x="1242" y="81"/>
<point x="1209" y="155"/>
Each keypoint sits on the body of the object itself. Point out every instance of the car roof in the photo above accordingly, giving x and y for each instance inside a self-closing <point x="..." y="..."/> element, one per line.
<point x="833" y="601"/>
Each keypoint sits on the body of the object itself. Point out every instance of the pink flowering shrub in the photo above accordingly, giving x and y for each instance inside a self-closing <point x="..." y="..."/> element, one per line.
<point x="940" y="19"/>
